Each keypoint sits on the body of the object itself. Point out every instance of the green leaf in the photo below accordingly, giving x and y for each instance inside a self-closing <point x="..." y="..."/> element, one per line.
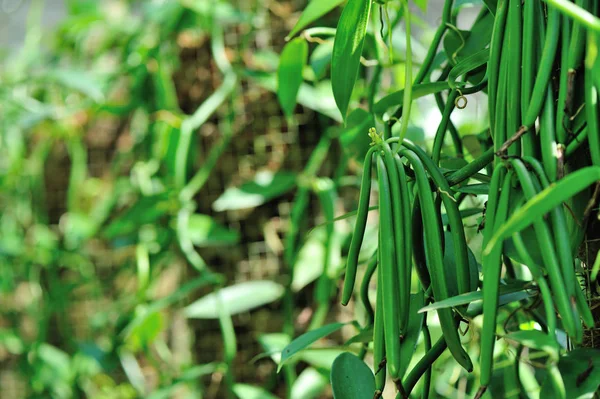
<point x="547" y="199"/>
<point x="396" y="99"/>
<point x="580" y="370"/>
<point x="306" y="339"/>
<point x="265" y="186"/>
<point x="273" y="344"/>
<point x="476" y="296"/>
<point x="313" y="11"/>
<point x="78" y="80"/>
<point x="320" y="358"/>
<point x="422" y="4"/>
<point x="536" y="340"/>
<point x="364" y="336"/>
<point x="204" y="231"/>
<point x="289" y="73"/>
<point x="320" y="58"/>
<point x="236" y="299"/>
<point x="146" y="210"/>
<point x="351" y="378"/>
<point x="244" y="391"/>
<point x="467" y="65"/>
<point x="309" y="385"/>
<point x="347" y="50"/>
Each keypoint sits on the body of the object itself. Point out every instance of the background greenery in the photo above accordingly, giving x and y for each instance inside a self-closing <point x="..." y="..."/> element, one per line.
<point x="149" y="174"/>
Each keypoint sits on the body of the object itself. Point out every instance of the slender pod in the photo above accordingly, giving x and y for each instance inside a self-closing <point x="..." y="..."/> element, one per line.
<point x="563" y="303"/>
<point x="496" y="45"/>
<point x="592" y="116"/>
<point x="435" y="259"/>
<point x="406" y="276"/>
<point x="379" y="334"/>
<point x="390" y="288"/>
<point x="492" y="265"/>
<point x="359" y="228"/>
<point x="364" y="289"/>
<point x="399" y="233"/>
<point x="545" y="69"/>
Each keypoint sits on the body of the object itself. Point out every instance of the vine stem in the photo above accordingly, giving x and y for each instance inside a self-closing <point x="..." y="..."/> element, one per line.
<point x="407" y="101"/>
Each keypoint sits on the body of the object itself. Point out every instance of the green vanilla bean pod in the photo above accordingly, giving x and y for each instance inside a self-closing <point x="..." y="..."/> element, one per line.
<point x="390" y="287"/>
<point x="435" y="259"/>
<point x="359" y="228"/>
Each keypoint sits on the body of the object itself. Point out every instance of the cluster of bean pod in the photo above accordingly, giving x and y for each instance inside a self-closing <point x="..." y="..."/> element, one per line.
<point x="542" y="81"/>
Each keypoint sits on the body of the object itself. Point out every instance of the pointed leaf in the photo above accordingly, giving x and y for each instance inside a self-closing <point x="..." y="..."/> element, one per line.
<point x="347" y="50"/>
<point x="236" y="299"/>
<point x="306" y="339"/>
<point x="204" y="231"/>
<point x="351" y="378"/>
<point x="475" y="296"/>
<point x="265" y="186"/>
<point x="289" y="73"/>
<point x="244" y="391"/>
<point x="313" y="11"/>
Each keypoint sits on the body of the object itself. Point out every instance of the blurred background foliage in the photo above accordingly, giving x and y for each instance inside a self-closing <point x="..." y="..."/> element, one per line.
<point x="145" y="163"/>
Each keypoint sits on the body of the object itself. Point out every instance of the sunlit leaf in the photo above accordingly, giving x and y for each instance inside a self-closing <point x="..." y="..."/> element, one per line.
<point x="265" y="186"/>
<point x="289" y="73"/>
<point x="313" y="11"/>
<point x="204" y="231"/>
<point x="244" y="391"/>
<point x="236" y="299"/>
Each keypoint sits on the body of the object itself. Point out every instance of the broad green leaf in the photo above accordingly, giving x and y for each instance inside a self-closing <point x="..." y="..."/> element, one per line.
<point x="549" y="198"/>
<point x="536" y="340"/>
<point x="289" y="73"/>
<point x="422" y="4"/>
<point x="396" y="99"/>
<point x="466" y="65"/>
<point x="245" y="391"/>
<point x="311" y="257"/>
<point x="309" y="385"/>
<point x="144" y="333"/>
<point x="351" y="378"/>
<point x="146" y="210"/>
<point x="313" y="11"/>
<point x="462" y="43"/>
<point x="364" y="336"/>
<point x="347" y="50"/>
<point x="476" y="296"/>
<point x="265" y="186"/>
<point x="580" y="370"/>
<point x="81" y="81"/>
<point x="306" y="339"/>
<point x="204" y="231"/>
<point x="236" y="299"/>
<point x="320" y="58"/>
